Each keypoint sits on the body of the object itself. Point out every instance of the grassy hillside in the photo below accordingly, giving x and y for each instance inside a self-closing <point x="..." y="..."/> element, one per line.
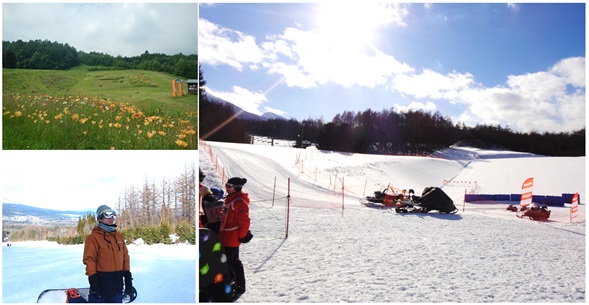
<point x="50" y="82"/>
<point x="82" y="109"/>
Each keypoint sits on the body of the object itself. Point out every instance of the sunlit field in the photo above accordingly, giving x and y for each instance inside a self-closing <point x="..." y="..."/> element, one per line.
<point x="79" y="122"/>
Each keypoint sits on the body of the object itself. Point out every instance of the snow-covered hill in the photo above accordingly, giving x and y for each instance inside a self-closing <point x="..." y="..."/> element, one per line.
<point x="20" y="214"/>
<point x="242" y="114"/>
<point x="338" y="250"/>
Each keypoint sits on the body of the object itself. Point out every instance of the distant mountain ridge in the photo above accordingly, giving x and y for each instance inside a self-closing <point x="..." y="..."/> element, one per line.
<point x="20" y="214"/>
<point x="244" y="115"/>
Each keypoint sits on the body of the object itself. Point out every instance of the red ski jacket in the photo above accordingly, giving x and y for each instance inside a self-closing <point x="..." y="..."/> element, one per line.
<point x="236" y="219"/>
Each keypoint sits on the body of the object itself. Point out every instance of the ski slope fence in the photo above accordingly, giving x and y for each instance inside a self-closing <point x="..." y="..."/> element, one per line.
<point x="219" y="168"/>
<point x="336" y="189"/>
<point x="342" y="186"/>
<point x="276" y="209"/>
<point x="469" y="185"/>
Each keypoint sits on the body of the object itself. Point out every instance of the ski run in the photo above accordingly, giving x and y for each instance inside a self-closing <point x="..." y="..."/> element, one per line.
<point x="339" y="250"/>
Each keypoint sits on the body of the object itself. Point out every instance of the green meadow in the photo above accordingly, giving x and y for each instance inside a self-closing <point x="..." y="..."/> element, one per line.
<point x="91" y="108"/>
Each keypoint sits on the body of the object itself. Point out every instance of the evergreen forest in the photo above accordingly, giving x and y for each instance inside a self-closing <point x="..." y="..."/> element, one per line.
<point x="47" y="55"/>
<point x="387" y="131"/>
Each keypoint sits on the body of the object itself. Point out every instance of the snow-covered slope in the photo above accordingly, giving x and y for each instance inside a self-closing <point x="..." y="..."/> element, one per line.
<point x="350" y="253"/>
<point x="161" y="273"/>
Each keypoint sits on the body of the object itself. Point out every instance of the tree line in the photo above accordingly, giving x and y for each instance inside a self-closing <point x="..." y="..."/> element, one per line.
<point x="382" y="132"/>
<point x="151" y="211"/>
<point x="47" y="55"/>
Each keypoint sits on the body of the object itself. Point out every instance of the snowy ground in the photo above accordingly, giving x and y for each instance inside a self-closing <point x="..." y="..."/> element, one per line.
<point x="361" y="254"/>
<point x="161" y="273"/>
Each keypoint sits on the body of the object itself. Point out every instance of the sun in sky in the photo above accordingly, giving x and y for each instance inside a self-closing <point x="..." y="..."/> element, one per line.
<point x="353" y="26"/>
<point x="347" y="32"/>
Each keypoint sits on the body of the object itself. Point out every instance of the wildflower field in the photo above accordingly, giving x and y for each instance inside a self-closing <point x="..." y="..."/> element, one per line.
<point x="136" y="113"/>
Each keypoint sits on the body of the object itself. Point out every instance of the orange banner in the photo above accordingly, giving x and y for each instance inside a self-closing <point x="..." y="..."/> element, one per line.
<point x="575" y="207"/>
<point x="526" y="198"/>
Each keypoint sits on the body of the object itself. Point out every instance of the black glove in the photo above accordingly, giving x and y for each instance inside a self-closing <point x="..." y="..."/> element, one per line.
<point x="128" y="282"/>
<point x="94" y="285"/>
<point x="246" y="239"/>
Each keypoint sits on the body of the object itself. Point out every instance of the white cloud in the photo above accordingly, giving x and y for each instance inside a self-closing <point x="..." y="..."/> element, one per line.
<point x="428" y="107"/>
<point x="432" y="84"/>
<point x="242" y="98"/>
<point x="222" y="46"/>
<point x="552" y="100"/>
<point x="514" y="7"/>
<point x="275" y="111"/>
<point x="126" y="29"/>
<point x="572" y="70"/>
<point x="305" y="60"/>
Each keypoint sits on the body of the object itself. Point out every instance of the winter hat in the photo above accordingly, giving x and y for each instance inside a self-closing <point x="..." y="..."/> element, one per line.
<point x="217" y="192"/>
<point x="102" y="209"/>
<point x="237" y="183"/>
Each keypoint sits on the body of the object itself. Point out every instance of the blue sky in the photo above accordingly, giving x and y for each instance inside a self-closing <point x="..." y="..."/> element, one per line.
<point x="517" y="65"/>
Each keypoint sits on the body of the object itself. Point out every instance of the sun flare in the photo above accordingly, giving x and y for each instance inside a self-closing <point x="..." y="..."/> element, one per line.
<point x="354" y="25"/>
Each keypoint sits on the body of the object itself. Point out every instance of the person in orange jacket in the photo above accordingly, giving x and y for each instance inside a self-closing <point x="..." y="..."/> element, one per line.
<point x="235" y="227"/>
<point x="107" y="260"/>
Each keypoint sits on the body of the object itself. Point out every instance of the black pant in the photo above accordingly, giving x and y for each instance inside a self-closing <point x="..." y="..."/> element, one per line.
<point x="236" y="266"/>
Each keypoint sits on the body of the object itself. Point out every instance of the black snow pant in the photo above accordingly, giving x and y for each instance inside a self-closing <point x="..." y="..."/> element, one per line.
<point x="237" y="267"/>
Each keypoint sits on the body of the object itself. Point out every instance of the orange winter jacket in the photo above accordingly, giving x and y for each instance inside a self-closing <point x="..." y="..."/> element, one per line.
<point x="236" y="220"/>
<point x="106" y="254"/>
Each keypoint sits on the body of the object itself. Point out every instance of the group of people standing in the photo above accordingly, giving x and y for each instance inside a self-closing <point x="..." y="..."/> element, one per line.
<point x="229" y="218"/>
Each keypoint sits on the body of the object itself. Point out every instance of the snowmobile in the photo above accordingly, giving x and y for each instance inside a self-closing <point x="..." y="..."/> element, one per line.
<point x="534" y="212"/>
<point x="388" y="199"/>
<point x="433" y="198"/>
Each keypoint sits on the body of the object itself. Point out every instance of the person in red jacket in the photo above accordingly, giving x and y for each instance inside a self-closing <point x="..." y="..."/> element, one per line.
<point x="235" y="227"/>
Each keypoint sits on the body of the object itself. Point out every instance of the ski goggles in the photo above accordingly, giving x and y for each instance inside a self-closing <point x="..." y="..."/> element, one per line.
<point x="109" y="214"/>
<point x="233" y="186"/>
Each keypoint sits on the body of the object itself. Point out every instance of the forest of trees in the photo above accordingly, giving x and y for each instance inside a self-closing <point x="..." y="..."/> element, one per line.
<point x="151" y="211"/>
<point x="383" y="132"/>
<point x="44" y="54"/>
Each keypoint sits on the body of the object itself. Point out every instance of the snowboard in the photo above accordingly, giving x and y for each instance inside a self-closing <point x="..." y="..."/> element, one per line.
<point x="61" y="296"/>
<point x="215" y="283"/>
